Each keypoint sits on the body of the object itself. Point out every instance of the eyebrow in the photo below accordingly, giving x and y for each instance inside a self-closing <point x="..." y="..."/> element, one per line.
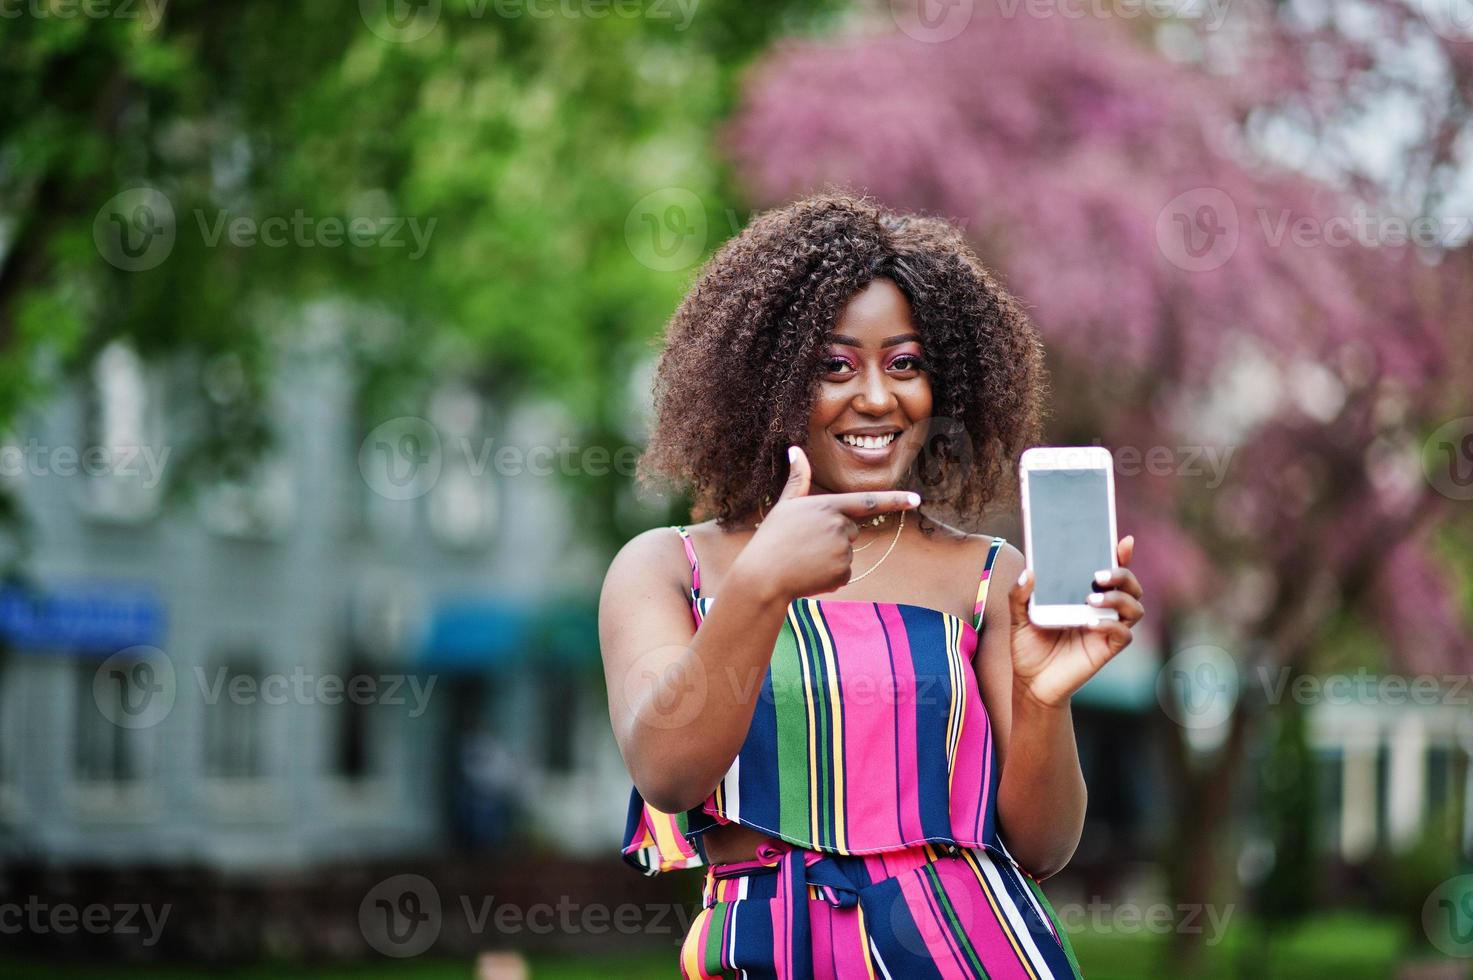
<point x="847" y="341"/>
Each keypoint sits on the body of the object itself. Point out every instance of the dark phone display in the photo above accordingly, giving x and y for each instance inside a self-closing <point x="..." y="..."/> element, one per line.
<point x="1069" y="514"/>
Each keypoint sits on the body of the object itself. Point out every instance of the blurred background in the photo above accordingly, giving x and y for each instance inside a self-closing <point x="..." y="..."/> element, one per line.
<point x="326" y="335"/>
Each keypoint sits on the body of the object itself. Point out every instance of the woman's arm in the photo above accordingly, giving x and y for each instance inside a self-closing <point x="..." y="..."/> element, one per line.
<point x="681" y="699"/>
<point x="1028" y="676"/>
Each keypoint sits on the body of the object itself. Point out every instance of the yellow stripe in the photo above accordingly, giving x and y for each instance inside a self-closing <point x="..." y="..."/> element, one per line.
<point x="668" y="839"/>
<point x="999" y="914"/>
<point x="692" y="956"/>
<point x="958" y="698"/>
<point x="869" y="964"/>
<point x="986" y="581"/>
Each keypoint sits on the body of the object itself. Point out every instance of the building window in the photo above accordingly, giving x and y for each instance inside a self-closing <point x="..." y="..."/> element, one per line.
<point x="123" y="455"/>
<point x="462" y="506"/>
<point x="560" y="693"/>
<point x="256" y="503"/>
<point x="1329" y="791"/>
<point x="107" y="752"/>
<point x="356" y="720"/>
<point x="10" y="724"/>
<point x="233" y="726"/>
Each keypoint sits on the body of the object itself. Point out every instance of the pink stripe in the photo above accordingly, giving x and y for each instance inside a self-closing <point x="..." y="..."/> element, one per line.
<point x="973" y="774"/>
<point x="907" y="780"/>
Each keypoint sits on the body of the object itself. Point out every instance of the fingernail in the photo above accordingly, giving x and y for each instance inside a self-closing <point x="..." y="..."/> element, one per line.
<point x="1095" y="599"/>
<point x="1102" y="577"/>
<point x="914" y="498"/>
<point x="1023" y="579"/>
<point x="792" y="454"/>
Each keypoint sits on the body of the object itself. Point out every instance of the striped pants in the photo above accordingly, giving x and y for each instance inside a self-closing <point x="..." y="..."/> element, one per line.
<point x="929" y="911"/>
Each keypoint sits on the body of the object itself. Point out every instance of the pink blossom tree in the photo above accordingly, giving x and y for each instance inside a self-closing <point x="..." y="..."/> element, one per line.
<point x="1196" y="289"/>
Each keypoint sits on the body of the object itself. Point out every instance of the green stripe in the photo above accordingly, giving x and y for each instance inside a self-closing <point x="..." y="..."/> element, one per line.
<point x="792" y="735"/>
<point x="817" y="692"/>
<point x="1054" y="919"/>
<point x="714" y="938"/>
<point x="957" y="930"/>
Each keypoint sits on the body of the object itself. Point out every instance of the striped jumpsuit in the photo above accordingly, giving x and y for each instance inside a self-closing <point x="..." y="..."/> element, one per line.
<point x="870" y="760"/>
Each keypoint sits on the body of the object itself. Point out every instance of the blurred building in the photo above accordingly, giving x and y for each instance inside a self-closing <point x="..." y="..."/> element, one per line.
<point x="366" y="646"/>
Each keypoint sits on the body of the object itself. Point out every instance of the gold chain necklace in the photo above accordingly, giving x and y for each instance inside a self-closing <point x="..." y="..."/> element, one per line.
<point x="872" y="522"/>
<point x="893" y="542"/>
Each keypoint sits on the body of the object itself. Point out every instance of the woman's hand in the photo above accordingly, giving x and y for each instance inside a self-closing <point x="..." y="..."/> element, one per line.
<point x="805" y="543"/>
<point x="1049" y="665"/>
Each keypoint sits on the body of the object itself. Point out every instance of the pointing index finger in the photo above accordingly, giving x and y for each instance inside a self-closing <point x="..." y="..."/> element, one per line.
<point x="867" y="503"/>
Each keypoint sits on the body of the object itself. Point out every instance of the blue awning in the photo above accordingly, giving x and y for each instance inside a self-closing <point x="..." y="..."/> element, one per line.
<point x="475" y="634"/>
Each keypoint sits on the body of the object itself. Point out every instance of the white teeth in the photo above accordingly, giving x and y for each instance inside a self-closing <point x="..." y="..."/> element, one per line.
<point x="869" y="442"/>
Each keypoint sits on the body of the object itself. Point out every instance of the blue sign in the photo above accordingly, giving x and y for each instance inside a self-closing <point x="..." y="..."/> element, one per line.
<point x="91" y="618"/>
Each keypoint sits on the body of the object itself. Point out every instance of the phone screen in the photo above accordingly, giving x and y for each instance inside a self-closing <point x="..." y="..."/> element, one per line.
<point x="1069" y="533"/>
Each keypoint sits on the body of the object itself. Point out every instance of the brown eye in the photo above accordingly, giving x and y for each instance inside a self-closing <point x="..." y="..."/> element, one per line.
<point x="837" y="365"/>
<point x="907" y="362"/>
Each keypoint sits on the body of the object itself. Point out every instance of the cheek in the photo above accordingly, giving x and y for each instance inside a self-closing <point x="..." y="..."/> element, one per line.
<point x="827" y="407"/>
<point x="917" y="400"/>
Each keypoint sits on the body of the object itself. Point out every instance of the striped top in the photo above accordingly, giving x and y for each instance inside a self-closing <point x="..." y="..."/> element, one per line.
<point x="869" y="735"/>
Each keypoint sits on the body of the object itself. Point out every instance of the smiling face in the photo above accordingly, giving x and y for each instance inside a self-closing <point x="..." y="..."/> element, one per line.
<point x="874" y="401"/>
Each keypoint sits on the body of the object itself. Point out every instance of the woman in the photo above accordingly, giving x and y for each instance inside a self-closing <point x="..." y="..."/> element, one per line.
<point x="815" y="691"/>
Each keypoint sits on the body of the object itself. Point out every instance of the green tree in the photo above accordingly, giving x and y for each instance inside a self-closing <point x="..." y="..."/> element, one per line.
<point x="507" y="147"/>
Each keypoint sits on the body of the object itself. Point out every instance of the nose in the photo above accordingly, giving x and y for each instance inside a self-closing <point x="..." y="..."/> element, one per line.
<point x="874" y="396"/>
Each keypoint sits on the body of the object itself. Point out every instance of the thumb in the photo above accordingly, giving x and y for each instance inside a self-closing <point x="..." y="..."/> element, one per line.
<point x="799" y="475"/>
<point x="1018" y="599"/>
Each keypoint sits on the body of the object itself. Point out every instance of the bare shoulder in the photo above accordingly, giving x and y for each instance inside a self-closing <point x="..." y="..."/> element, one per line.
<point x="651" y="558"/>
<point x="971" y="547"/>
<point x="1006" y="567"/>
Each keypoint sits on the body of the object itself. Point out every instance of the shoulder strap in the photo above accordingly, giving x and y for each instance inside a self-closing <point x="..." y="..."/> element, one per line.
<point x="695" y="566"/>
<point x="981" y="606"/>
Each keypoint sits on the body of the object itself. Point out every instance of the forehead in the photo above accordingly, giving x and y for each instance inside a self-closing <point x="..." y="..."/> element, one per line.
<point x="878" y="310"/>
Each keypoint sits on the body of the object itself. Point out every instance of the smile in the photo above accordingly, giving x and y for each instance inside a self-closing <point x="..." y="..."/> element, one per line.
<point x="869" y="442"/>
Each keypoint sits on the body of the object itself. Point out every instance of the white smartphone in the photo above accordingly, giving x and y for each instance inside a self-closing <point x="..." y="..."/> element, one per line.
<point x="1068" y="530"/>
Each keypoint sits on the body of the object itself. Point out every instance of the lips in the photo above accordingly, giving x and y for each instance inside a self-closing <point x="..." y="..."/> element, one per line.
<point x="876" y="446"/>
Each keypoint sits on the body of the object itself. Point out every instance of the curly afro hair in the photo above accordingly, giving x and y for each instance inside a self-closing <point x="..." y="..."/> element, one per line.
<point x="743" y="355"/>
